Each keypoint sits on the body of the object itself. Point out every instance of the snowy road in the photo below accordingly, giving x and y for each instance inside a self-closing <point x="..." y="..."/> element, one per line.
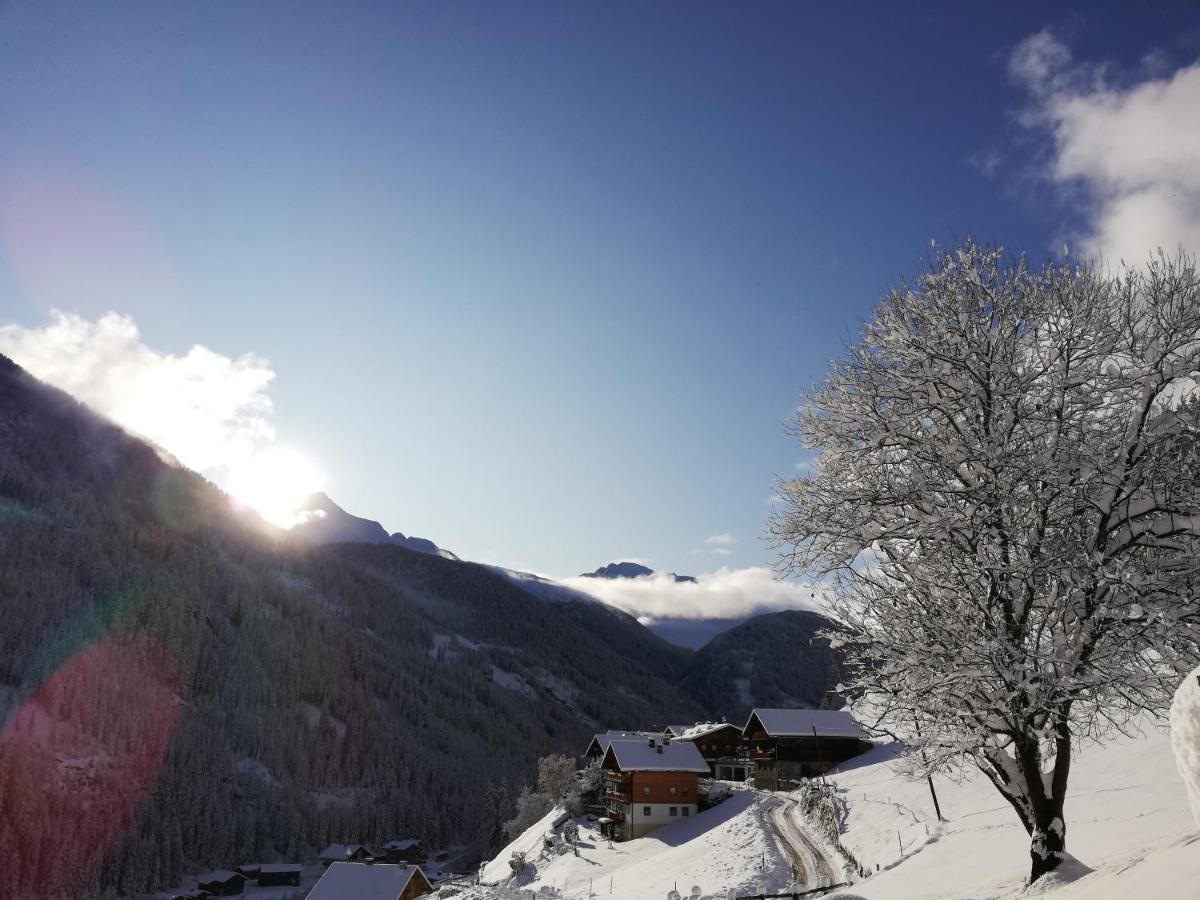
<point x="812" y="867"/>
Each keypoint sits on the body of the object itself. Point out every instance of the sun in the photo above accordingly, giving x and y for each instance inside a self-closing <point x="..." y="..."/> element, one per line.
<point x="273" y="482"/>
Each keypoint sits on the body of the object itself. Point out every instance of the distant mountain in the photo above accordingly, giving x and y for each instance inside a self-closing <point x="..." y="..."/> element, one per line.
<point x="771" y="660"/>
<point x="324" y="522"/>
<point x="211" y="689"/>
<point x="629" y="570"/>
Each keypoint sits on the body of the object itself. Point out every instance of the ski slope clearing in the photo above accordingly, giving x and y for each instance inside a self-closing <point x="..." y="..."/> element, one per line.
<point x="1128" y="820"/>
<point x="731" y="845"/>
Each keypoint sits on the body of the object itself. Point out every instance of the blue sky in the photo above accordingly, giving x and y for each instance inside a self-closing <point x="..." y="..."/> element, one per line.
<point x="541" y="281"/>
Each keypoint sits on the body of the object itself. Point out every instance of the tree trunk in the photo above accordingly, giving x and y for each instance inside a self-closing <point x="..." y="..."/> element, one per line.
<point x="1048" y="843"/>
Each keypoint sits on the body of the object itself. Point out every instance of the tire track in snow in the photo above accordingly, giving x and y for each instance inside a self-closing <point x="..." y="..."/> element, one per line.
<point x="812" y="867"/>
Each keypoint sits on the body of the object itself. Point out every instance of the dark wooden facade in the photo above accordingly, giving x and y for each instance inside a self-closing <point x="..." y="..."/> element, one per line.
<point x="781" y="759"/>
<point x="721" y="747"/>
<point x="222" y="884"/>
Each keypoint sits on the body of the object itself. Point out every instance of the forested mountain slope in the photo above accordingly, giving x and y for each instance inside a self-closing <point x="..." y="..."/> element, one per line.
<point x="772" y="660"/>
<point x="183" y="686"/>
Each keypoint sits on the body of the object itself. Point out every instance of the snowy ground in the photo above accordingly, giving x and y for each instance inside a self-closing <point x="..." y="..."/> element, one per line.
<point x="1128" y="819"/>
<point x="731" y="845"/>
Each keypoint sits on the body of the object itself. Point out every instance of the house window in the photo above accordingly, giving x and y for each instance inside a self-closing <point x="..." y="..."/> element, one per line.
<point x="685" y="790"/>
<point x="674" y="810"/>
<point x="673" y="789"/>
<point x="646" y="791"/>
<point x="686" y="811"/>
<point x="646" y="811"/>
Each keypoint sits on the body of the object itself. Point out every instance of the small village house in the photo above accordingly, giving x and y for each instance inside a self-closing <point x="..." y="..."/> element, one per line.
<point x="649" y="783"/>
<point x="403" y="850"/>
<point x="720" y="743"/>
<point x="222" y="883"/>
<point x="345" y="853"/>
<point x="789" y="744"/>
<point x="370" y="881"/>
<point x="279" y="875"/>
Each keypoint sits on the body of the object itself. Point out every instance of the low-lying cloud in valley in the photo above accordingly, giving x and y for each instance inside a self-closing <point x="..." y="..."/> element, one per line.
<point x="1129" y="144"/>
<point x="724" y="594"/>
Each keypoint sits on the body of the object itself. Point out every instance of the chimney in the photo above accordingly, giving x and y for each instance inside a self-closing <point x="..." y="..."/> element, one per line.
<point x="660" y="748"/>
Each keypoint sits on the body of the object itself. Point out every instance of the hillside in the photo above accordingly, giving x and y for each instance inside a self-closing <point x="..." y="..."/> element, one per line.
<point x="771" y="660"/>
<point x="184" y="686"/>
<point x="1129" y="820"/>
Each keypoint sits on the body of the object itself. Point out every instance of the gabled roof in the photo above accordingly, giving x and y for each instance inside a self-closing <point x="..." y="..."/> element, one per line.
<point x="363" y="881"/>
<point x="220" y="876"/>
<point x="401" y="844"/>
<point x="655" y="756"/>
<point x="700" y="729"/>
<point x="280" y="868"/>
<point x="602" y="739"/>
<point x="675" y="730"/>
<point x="343" y="851"/>
<point x="802" y="722"/>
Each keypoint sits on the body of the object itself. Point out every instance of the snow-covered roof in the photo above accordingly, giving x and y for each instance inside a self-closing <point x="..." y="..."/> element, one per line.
<point x="342" y="851"/>
<point x="802" y="722"/>
<point x="604" y="738"/>
<point x="656" y="756"/>
<point x="220" y="876"/>
<point x="401" y="844"/>
<point x="675" y="730"/>
<point x="279" y="868"/>
<point x="364" y="881"/>
<point x="700" y="729"/>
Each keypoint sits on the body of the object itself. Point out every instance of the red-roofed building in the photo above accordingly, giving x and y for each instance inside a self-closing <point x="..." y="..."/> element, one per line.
<point x="649" y="782"/>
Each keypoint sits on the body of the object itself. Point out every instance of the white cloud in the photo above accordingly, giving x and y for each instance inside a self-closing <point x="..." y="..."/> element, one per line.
<point x="721" y="540"/>
<point x="726" y="593"/>
<point x="1134" y="147"/>
<point x="210" y="411"/>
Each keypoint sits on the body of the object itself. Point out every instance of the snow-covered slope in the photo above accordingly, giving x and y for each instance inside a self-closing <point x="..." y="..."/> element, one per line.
<point x="730" y="845"/>
<point x="1129" y="822"/>
<point x="1127" y="818"/>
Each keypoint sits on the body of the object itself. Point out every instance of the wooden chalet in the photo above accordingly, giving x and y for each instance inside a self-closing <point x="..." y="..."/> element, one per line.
<point x="222" y="883"/>
<point x="370" y="881"/>
<point x="720" y="743"/>
<point x="790" y="744"/>
<point x="403" y="850"/>
<point x="649" y="782"/>
<point x="279" y="875"/>
<point x="345" y="853"/>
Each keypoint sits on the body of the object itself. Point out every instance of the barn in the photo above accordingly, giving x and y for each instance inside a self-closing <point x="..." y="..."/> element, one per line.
<point x="222" y="883"/>
<point x="345" y="853"/>
<point x="789" y="744"/>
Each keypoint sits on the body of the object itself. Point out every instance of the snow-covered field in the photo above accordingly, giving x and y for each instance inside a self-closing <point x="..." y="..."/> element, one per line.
<point x="729" y="846"/>
<point x="1128" y="819"/>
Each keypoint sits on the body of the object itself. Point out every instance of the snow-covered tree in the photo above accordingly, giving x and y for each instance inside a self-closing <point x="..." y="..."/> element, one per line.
<point x="1007" y="495"/>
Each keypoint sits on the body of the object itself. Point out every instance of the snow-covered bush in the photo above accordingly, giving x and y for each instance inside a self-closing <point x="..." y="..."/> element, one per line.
<point x="531" y="806"/>
<point x="712" y="793"/>
<point x="517" y="862"/>
<point x="824" y="810"/>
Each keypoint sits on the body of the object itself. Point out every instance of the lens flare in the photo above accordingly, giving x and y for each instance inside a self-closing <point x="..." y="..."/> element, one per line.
<point x="273" y="482"/>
